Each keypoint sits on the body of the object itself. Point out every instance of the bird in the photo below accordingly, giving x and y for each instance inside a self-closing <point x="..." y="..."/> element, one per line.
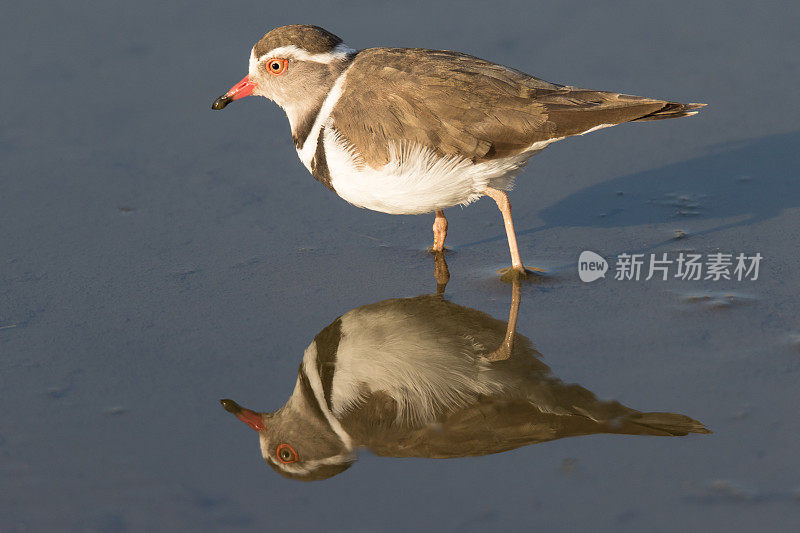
<point x="415" y="131"/>
<point x="424" y="377"/>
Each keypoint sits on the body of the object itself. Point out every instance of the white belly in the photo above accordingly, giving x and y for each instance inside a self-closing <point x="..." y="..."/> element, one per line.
<point x="416" y="180"/>
<point x="384" y="349"/>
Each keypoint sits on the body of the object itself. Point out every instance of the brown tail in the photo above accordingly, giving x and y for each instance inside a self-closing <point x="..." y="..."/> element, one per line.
<point x="671" y="110"/>
<point x="660" y="424"/>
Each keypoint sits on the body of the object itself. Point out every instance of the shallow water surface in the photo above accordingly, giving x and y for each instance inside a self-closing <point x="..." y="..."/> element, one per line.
<point x="156" y="257"/>
<point x="424" y="377"/>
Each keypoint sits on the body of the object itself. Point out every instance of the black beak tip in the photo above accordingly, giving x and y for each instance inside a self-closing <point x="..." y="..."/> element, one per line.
<point x="221" y="102"/>
<point x="230" y="406"/>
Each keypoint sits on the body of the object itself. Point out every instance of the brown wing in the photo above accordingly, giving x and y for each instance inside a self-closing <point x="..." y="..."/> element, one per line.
<point x="457" y="104"/>
<point x="493" y="425"/>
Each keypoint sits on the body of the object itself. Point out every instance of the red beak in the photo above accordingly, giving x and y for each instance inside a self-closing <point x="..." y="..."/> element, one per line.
<point x="240" y="90"/>
<point x="251" y="418"/>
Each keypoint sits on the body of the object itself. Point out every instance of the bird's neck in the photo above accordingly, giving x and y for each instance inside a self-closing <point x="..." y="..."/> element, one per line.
<point x="303" y="112"/>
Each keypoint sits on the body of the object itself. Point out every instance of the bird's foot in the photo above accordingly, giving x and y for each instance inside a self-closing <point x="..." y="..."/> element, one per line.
<point x="520" y="273"/>
<point x="435" y="250"/>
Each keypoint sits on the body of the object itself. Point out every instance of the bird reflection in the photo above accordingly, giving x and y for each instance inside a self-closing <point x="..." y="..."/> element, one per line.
<point x="424" y="377"/>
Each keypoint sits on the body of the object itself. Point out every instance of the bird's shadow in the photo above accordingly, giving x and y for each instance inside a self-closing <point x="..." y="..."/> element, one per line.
<point x="751" y="181"/>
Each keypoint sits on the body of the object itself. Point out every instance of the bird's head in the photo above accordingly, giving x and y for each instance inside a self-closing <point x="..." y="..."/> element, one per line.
<point x="295" y="66"/>
<point x="295" y="441"/>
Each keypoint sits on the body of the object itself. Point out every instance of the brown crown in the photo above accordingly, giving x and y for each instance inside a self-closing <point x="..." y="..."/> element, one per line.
<point x="312" y="39"/>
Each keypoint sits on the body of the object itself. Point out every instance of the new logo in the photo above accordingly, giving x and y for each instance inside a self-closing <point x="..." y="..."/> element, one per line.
<point x="591" y="266"/>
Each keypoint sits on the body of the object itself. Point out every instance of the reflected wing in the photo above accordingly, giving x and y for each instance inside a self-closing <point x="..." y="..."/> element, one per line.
<point x="494" y="425"/>
<point x="499" y="426"/>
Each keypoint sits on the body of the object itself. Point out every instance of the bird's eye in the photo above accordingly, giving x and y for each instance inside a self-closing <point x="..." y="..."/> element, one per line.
<point x="277" y="66"/>
<point x="286" y="454"/>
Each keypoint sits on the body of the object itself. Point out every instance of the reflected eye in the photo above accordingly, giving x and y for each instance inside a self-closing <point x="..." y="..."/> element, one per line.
<point x="277" y="66"/>
<point x="286" y="454"/>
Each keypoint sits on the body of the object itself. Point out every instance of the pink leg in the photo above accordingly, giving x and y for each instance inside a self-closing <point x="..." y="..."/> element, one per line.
<point x="439" y="232"/>
<point x="501" y="198"/>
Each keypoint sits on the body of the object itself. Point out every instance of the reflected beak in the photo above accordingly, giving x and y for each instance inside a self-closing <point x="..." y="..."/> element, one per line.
<point x="251" y="418"/>
<point x="240" y="90"/>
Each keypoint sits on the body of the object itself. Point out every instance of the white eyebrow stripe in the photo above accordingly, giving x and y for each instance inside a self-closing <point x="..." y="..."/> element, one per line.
<point x="310" y="466"/>
<point x="340" y="52"/>
<point x="252" y="64"/>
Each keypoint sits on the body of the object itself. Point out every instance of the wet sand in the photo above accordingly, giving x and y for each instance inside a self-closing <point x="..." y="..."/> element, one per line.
<point x="156" y="256"/>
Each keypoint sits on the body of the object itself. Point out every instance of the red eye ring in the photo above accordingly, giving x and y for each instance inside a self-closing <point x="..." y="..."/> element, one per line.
<point x="286" y="454"/>
<point x="276" y="66"/>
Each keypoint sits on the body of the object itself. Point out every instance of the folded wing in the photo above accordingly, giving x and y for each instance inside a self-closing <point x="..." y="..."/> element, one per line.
<point x="459" y="105"/>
